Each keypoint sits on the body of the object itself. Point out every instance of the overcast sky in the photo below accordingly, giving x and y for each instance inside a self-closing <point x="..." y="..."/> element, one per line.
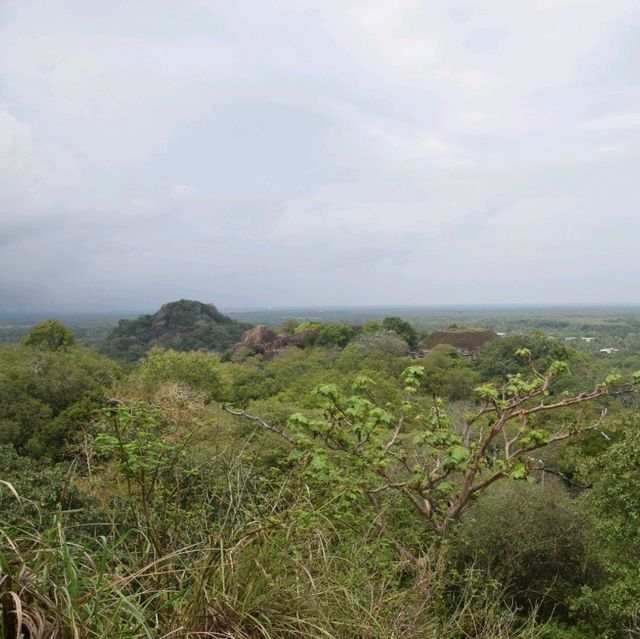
<point x="312" y="153"/>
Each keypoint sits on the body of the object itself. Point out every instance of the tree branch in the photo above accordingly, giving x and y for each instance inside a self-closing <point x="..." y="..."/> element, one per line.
<point x="259" y="420"/>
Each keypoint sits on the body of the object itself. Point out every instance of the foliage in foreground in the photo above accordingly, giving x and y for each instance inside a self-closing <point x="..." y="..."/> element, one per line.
<point x="230" y="549"/>
<point x="375" y="511"/>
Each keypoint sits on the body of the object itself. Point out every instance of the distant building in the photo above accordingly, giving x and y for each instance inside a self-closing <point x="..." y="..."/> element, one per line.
<point x="587" y="339"/>
<point x="569" y="339"/>
<point x="609" y="350"/>
<point x="467" y="341"/>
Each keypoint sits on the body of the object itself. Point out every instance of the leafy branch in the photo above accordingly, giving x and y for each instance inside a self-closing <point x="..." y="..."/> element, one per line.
<point x="413" y="450"/>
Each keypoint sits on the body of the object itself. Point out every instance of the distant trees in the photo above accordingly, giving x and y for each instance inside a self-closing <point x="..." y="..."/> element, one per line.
<point x="341" y="333"/>
<point x="334" y="334"/>
<point x="403" y="329"/>
<point x="498" y="357"/>
<point x="383" y="341"/>
<point x="51" y="335"/>
<point x="447" y="374"/>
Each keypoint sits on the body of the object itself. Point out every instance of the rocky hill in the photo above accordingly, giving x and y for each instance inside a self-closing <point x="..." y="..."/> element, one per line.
<point x="185" y="325"/>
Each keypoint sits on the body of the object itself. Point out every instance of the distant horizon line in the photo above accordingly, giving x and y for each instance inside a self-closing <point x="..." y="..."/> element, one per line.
<point x="345" y="307"/>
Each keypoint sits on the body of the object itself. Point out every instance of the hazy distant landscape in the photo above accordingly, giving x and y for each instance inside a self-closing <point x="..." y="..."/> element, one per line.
<point x="319" y="319"/>
<point x="611" y="325"/>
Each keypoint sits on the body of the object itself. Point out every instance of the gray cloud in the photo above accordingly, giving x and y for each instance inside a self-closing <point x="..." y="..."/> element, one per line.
<point x="386" y="151"/>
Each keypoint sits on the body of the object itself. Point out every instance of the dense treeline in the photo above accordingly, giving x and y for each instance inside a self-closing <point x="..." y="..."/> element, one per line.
<point x="338" y="485"/>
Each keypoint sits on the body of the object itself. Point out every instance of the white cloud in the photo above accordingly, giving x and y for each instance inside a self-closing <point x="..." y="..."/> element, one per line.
<point x="32" y="165"/>
<point x="614" y="121"/>
<point x="227" y="146"/>
<point x="183" y="192"/>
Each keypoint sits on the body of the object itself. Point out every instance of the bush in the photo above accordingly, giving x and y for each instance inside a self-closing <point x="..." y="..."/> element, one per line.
<point x="37" y="386"/>
<point x="534" y="540"/>
<point x="612" y="604"/>
<point x="198" y="370"/>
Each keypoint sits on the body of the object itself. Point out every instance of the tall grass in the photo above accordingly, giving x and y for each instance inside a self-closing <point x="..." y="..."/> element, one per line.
<point x="233" y="546"/>
<point x="230" y="574"/>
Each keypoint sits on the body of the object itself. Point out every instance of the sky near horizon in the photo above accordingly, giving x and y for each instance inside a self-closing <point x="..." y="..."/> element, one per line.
<point x="306" y="153"/>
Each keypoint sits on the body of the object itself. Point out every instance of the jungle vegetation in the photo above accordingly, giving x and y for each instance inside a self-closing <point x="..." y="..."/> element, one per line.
<point x="338" y="481"/>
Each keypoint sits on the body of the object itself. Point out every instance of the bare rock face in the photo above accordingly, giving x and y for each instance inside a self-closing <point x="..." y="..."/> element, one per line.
<point x="262" y="340"/>
<point x="259" y="339"/>
<point x="301" y="338"/>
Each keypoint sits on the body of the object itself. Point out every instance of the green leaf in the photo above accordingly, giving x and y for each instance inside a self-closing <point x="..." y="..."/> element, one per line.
<point x="488" y="392"/>
<point x="558" y="367"/>
<point x="412" y="375"/>
<point x="330" y="391"/>
<point x="459" y="454"/>
<point x="418" y="439"/>
<point x="295" y="454"/>
<point x="298" y="419"/>
<point x="445" y="487"/>
<point x="519" y="471"/>
<point x="361" y="383"/>
<point x="319" y="460"/>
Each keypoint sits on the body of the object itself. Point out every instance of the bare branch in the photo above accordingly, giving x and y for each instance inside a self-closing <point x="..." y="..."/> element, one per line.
<point x="259" y="420"/>
<point x="396" y="432"/>
<point x="552" y="471"/>
<point x="561" y="436"/>
<point x="568" y="401"/>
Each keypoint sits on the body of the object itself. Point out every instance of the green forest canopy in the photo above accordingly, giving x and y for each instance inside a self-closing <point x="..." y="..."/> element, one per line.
<point x="341" y="483"/>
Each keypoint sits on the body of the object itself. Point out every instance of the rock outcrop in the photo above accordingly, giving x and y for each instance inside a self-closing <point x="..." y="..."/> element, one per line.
<point x="261" y="340"/>
<point x="185" y="325"/>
